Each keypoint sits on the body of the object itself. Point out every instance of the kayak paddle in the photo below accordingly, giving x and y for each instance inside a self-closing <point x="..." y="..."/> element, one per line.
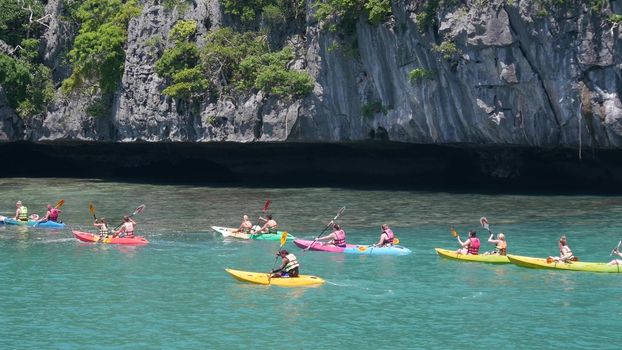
<point x="339" y="213"/>
<point x="283" y="240"/>
<point x="59" y="204"/>
<point x="453" y="232"/>
<point x="137" y="211"/>
<point x="616" y="248"/>
<point x="92" y="210"/>
<point x="264" y="210"/>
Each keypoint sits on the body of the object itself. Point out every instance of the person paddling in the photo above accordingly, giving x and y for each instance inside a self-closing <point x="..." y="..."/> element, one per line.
<point x="269" y="227"/>
<point x="470" y="246"/>
<point x="565" y="253"/>
<point x="386" y="237"/>
<point x="289" y="265"/>
<point x="246" y="226"/>
<point x="337" y="237"/>
<point x="102" y="226"/>
<point x="616" y="261"/>
<point x="501" y="246"/>
<point x="21" y="212"/>
<point x="51" y="215"/>
<point x="127" y="229"/>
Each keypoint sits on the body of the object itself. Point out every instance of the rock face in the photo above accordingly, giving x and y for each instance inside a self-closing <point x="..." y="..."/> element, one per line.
<point x="517" y="77"/>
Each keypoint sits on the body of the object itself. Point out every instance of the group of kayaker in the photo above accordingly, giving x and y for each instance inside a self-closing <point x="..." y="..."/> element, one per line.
<point x="472" y="244"/>
<point x="126" y="229"/>
<point x="289" y="263"/>
<point x="21" y="213"/>
<point x="52" y="214"/>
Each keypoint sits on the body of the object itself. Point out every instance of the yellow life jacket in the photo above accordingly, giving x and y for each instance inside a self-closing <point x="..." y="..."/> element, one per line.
<point x="23" y="213"/>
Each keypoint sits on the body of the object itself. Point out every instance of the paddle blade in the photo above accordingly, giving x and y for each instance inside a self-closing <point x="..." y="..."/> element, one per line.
<point x="340" y="212"/>
<point x="91" y="209"/>
<point x="139" y="209"/>
<point x="59" y="204"/>
<point x="484" y="222"/>
<point x="396" y="240"/>
<point x="266" y="206"/>
<point x="453" y="232"/>
<point x="283" y="238"/>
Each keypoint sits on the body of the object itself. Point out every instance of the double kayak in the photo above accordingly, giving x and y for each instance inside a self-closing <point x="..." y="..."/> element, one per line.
<point x="94" y="238"/>
<point x="539" y="263"/>
<point x="232" y="232"/>
<point x="33" y="223"/>
<point x="359" y="249"/>
<point x="491" y="258"/>
<point x="264" y="278"/>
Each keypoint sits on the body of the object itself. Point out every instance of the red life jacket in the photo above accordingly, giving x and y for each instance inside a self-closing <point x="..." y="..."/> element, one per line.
<point x="340" y="238"/>
<point x="474" y="246"/>
<point x="53" y="214"/>
<point x="390" y="236"/>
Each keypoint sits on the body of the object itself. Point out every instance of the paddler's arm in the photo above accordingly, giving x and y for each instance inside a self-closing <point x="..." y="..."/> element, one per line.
<point x="260" y="230"/>
<point x="122" y="229"/>
<point x="463" y="244"/>
<point x="330" y="236"/>
<point x="284" y="262"/>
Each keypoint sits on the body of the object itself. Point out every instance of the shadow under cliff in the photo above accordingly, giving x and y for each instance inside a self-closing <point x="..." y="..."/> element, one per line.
<point x="372" y="165"/>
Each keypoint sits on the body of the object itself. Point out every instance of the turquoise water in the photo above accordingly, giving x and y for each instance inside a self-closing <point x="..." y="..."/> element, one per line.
<point x="58" y="293"/>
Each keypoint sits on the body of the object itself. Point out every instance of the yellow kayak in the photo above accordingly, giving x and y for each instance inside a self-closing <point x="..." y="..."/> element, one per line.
<point x="263" y="278"/>
<point x="491" y="259"/>
<point x="539" y="263"/>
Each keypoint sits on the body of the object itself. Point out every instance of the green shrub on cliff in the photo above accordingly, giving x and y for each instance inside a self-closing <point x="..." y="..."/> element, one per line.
<point x="419" y="74"/>
<point x="98" y="54"/>
<point x="448" y="49"/>
<point x="18" y="20"/>
<point x="268" y="72"/>
<point x="273" y="12"/>
<point x="341" y="15"/>
<point x="27" y="84"/>
<point x="243" y="61"/>
<point x="180" y="64"/>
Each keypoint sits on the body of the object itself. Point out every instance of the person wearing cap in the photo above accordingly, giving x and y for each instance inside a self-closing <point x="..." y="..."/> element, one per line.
<point x="501" y="246"/>
<point x="289" y="265"/>
<point x="127" y="229"/>
<point x="269" y="227"/>
<point x="21" y="213"/>
<point x="337" y="237"/>
<point x="470" y="246"/>
<point x="246" y="226"/>
<point x="51" y="215"/>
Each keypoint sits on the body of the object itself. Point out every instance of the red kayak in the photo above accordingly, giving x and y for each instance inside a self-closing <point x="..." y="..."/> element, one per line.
<point x="89" y="237"/>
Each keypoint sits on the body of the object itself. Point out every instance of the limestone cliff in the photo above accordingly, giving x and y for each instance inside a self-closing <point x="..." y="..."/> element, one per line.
<point x="515" y="76"/>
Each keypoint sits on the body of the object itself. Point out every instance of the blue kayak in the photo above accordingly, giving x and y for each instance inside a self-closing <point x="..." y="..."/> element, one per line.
<point x="31" y="223"/>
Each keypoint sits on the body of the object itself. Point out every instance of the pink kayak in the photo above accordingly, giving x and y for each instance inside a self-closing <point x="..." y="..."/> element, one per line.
<point x="360" y="249"/>
<point x="89" y="237"/>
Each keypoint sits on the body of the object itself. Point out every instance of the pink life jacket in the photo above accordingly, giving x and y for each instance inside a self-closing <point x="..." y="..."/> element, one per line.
<point x="474" y="246"/>
<point x="390" y="236"/>
<point x="53" y="214"/>
<point x="340" y="238"/>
